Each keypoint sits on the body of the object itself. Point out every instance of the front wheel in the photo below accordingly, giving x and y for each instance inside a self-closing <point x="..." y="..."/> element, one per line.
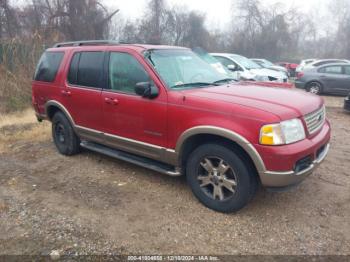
<point x="220" y="178"/>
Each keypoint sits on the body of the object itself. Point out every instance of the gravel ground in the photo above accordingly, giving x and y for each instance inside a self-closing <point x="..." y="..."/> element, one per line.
<point x="93" y="204"/>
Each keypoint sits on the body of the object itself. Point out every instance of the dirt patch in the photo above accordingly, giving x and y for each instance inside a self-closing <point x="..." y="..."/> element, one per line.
<point x="93" y="204"/>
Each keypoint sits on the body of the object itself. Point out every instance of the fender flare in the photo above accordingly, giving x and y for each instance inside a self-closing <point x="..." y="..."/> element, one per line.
<point x="225" y="133"/>
<point x="61" y="107"/>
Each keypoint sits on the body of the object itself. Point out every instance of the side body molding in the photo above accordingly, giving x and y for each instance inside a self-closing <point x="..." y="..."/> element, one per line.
<point x="165" y="155"/>
<point x="222" y="132"/>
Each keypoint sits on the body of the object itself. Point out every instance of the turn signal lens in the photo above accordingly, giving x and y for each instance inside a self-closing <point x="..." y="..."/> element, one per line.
<point x="271" y="135"/>
<point x="284" y="133"/>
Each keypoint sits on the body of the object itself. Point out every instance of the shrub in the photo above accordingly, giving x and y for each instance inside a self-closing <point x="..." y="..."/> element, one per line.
<point x="17" y="64"/>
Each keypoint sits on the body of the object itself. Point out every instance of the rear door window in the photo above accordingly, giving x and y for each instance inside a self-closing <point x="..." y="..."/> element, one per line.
<point x="86" y="69"/>
<point x="333" y="70"/>
<point x="48" y="66"/>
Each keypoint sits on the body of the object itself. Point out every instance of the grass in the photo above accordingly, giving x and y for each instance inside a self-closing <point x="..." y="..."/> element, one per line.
<point x="21" y="127"/>
<point x="20" y="117"/>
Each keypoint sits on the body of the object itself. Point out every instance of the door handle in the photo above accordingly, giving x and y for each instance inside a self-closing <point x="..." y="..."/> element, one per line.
<point x="66" y="93"/>
<point x="111" y="101"/>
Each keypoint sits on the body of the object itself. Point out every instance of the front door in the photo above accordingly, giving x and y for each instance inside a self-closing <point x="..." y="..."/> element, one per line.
<point x="133" y="123"/>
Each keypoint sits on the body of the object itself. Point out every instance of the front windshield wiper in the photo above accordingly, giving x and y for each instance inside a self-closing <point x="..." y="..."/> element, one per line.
<point x="225" y="80"/>
<point x="195" y="84"/>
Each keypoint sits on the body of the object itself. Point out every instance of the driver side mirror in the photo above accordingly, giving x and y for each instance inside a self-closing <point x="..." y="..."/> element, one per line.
<point x="146" y="89"/>
<point x="231" y="67"/>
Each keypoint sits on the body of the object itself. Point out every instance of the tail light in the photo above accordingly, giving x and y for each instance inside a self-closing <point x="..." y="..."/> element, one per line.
<point x="300" y="75"/>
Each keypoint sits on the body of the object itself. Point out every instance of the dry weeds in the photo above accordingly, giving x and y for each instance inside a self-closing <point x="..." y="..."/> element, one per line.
<point x="21" y="126"/>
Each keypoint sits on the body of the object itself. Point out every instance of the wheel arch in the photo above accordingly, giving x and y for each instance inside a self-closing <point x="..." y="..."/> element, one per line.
<point x="193" y="137"/>
<point x="52" y="106"/>
<point x="314" y="81"/>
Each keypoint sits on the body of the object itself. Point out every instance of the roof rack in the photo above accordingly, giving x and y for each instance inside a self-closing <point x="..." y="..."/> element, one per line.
<point x="90" y="42"/>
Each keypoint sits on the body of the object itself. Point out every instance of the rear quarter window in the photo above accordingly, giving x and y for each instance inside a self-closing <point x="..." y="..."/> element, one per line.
<point x="48" y="66"/>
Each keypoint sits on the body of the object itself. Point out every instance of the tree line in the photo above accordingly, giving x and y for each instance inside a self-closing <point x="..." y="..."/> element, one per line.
<point x="256" y="29"/>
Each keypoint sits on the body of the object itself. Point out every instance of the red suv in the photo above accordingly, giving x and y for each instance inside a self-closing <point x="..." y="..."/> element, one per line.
<point x="168" y="110"/>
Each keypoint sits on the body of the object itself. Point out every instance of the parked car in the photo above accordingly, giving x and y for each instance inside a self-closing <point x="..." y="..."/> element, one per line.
<point x="303" y="63"/>
<point x="291" y="67"/>
<point x="166" y="109"/>
<point x="322" y="62"/>
<point x="267" y="64"/>
<point x="246" y="69"/>
<point x="329" y="78"/>
<point x="347" y="103"/>
<point x="215" y="63"/>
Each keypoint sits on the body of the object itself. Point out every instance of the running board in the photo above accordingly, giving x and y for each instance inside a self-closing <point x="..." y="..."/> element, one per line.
<point x="137" y="160"/>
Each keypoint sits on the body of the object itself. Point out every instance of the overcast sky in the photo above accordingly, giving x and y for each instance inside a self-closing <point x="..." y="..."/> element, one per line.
<point x="218" y="11"/>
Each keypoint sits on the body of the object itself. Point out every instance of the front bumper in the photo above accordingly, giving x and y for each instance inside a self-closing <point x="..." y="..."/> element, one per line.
<point x="285" y="179"/>
<point x="290" y="164"/>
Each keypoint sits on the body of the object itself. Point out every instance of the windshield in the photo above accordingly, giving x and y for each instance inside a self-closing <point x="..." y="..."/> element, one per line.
<point x="245" y="62"/>
<point x="184" y="69"/>
<point x="267" y="63"/>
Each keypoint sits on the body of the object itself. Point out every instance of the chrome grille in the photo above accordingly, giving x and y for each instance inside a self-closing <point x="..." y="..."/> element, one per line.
<point x="315" y="120"/>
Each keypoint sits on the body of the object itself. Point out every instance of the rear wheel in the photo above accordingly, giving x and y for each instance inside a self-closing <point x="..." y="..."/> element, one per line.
<point x="220" y="178"/>
<point x="314" y="88"/>
<point x="66" y="141"/>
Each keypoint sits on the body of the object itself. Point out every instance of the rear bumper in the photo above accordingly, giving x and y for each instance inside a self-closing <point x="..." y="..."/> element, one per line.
<point x="299" y="84"/>
<point x="347" y="104"/>
<point x="40" y="117"/>
<point x="290" y="164"/>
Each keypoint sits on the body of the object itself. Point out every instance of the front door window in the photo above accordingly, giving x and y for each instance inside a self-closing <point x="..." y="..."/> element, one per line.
<point x="125" y="72"/>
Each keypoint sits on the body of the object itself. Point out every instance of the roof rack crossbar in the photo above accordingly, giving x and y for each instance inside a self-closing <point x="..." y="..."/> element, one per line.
<point x="89" y="42"/>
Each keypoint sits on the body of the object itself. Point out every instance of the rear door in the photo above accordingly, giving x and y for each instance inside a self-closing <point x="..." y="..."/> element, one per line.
<point x="83" y="89"/>
<point x="332" y="78"/>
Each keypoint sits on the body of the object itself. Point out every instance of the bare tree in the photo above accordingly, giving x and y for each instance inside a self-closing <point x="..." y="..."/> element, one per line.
<point x="9" y="24"/>
<point x="196" y="33"/>
<point x="153" y="25"/>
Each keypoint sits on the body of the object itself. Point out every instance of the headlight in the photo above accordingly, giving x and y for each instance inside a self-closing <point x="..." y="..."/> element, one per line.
<point x="286" y="132"/>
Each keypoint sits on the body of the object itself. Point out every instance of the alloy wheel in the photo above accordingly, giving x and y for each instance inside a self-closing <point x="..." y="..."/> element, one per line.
<point x="216" y="178"/>
<point x="314" y="88"/>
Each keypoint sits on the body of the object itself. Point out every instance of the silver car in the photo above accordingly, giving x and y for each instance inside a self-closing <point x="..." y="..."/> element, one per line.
<point x="329" y="78"/>
<point x="322" y="62"/>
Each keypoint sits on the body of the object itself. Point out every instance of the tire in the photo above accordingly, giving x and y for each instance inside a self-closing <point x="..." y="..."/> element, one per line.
<point x="239" y="176"/>
<point x="314" y="87"/>
<point x="64" y="137"/>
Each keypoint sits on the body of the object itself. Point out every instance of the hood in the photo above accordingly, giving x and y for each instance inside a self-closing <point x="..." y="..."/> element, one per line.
<point x="284" y="103"/>
<point x="268" y="72"/>
<point x="278" y="68"/>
